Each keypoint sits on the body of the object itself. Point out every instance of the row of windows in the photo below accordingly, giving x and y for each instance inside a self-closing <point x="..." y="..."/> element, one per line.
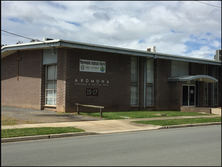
<point x="180" y="67"/>
<point x="177" y="69"/>
<point x="215" y="86"/>
<point x="135" y="79"/>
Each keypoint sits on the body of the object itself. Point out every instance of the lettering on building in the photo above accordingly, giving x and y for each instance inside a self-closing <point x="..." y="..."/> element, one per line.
<point x="91" y="82"/>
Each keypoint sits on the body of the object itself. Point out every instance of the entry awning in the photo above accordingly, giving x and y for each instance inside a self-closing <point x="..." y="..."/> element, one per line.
<point x="204" y="78"/>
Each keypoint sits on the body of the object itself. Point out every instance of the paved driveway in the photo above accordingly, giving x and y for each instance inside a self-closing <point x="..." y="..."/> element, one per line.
<point x="43" y="116"/>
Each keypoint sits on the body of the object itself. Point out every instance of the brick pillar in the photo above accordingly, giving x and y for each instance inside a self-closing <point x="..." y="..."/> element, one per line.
<point x="201" y="91"/>
<point x="42" y="83"/>
<point x="175" y="96"/>
<point x="162" y="71"/>
<point x="61" y="80"/>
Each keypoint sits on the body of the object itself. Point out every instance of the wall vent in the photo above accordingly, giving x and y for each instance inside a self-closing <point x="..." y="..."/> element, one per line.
<point x="217" y="57"/>
<point x="151" y="49"/>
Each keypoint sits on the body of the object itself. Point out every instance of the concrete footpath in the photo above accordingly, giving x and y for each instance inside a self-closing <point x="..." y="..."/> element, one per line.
<point x="100" y="127"/>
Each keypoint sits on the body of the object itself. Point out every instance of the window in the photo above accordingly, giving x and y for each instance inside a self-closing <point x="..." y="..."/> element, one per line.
<point x="51" y="85"/>
<point x="216" y="87"/>
<point x="149" y="82"/>
<point x="206" y="86"/>
<point x="179" y="68"/>
<point x="134" y="82"/>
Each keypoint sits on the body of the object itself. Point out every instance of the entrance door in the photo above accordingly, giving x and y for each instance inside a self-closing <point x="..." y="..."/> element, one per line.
<point x="188" y="95"/>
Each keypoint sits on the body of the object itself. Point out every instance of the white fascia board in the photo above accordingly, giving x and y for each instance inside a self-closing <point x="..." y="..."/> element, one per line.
<point x="106" y="49"/>
<point x="7" y="50"/>
<point x="96" y="47"/>
<point x="134" y="52"/>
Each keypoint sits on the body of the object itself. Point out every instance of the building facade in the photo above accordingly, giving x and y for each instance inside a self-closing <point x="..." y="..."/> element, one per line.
<point x="57" y="74"/>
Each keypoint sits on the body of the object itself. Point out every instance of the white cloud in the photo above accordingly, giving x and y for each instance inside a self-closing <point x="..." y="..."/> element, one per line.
<point x="119" y="23"/>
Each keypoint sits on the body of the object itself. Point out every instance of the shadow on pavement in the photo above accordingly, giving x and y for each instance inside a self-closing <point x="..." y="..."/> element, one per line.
<point x="43" y="116"/>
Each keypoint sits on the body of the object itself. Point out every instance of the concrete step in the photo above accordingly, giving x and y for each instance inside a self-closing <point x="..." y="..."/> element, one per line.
<point x="196" y="109"/>
<point x="216" y="111"/>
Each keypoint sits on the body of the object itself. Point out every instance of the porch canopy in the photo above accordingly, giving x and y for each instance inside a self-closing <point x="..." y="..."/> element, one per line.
<point x="204" y="78"/>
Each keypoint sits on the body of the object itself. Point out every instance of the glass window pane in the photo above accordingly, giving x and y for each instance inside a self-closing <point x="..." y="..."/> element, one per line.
<point x="50" y="101"/>
<point x="149" y="102"/>
<point x="149" y="64"/>
<point x="55" y="85"/>
<point x="149" y="95"/>
<point x="49" y="86"/>
<point x="149" y="71"/>
<point x="134" y="88"/>
<point x="134" y="95"/>
<point x="149" y="89"/>
<point x="50" y="73"/>
<point x="134" y="70"/>
<point x="183" y="68"/>
<point x="55" y="72"/>
<point x="49" y="93"/>
<point x="134" y="102"/>
<point x="174" y="68"/>
<point x="149" y="78"/>
<point x="134" y="78"/>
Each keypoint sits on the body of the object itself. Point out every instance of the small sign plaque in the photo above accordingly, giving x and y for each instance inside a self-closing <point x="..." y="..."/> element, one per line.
<point x="91" y="92"/>
<point x="92" y="66"/>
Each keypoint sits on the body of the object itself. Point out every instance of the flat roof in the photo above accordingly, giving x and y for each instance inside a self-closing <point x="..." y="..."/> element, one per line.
<point x="59" y="43"/>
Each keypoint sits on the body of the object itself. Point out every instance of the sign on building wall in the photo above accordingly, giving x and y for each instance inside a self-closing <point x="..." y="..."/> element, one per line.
<point x="92" y="66"/>
<point x="91" y="92"/>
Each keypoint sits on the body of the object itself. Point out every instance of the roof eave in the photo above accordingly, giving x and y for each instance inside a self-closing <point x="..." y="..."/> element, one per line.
<point x="7" y="50"/>
<point x="88" y="46"/>
<point x="107" y="49"/>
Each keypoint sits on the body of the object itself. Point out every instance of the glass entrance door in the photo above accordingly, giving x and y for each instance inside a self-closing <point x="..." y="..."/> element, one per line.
<point x="188" y="95"/>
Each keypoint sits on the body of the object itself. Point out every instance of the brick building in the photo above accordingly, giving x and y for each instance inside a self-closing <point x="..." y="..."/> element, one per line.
<point x="58" y="73"/>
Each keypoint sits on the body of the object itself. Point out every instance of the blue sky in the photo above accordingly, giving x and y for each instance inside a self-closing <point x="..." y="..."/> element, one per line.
<point x="185" y="28"/>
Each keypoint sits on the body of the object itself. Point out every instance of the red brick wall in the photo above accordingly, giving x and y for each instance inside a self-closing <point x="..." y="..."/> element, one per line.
<point x="25" y="93"/>
<point x="29" y="91"/>
<point x="61" y="80"/>
<point x="196" y="69"/>
<point x="115" y="96"/>
<point x="175" y="96"/>
<point x="162" y="71"/>
<point x="211" y="69"/>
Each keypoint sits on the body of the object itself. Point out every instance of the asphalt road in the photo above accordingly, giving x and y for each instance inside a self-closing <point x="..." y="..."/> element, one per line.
<point x="175" y="147"/>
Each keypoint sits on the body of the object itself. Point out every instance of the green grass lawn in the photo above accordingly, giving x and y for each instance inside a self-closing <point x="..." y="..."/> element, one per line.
<point x="141" y="114"/>
<point x="180" y="121"/>
<point x="6" y="133"/>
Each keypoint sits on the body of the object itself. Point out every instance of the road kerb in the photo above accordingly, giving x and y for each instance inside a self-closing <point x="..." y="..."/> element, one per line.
<point x="49" y="136"/>
<point x="130" y="130"/>
<point x="190" y="125"/>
